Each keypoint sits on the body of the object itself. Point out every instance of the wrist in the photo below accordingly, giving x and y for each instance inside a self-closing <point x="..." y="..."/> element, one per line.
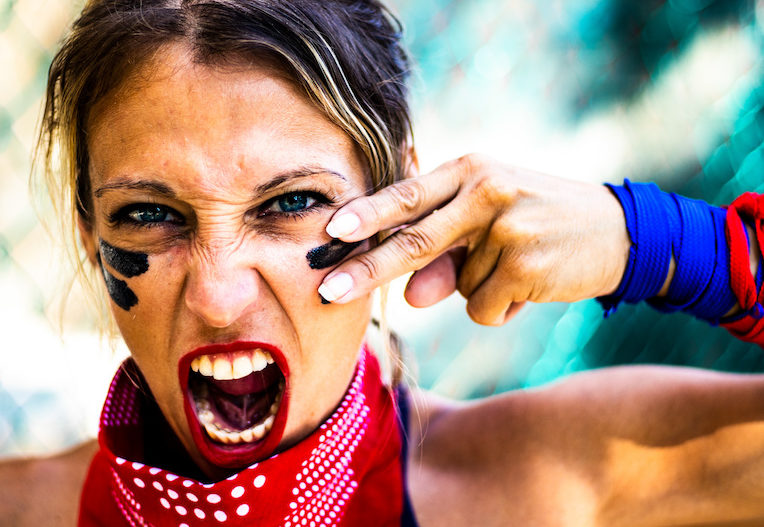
<point x="669" y="277"/>
<point x="678" y="258"/>
<point x="621" y="243"/>
<point x="647" y="223"/>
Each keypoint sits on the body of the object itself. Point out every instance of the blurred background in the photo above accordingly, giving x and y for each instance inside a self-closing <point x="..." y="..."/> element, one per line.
<point x="597" y="90"/>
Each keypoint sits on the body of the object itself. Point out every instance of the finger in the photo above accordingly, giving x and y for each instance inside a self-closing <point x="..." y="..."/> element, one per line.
<point x="436" y="281"/>
<point x="402" y="202"/>
<point x="409" y="249"/>
<point x="490" y="304"/>
<point x="480" y="264"/>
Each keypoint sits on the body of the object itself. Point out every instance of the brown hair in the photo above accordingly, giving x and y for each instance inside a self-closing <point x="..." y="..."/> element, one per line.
<point x="346" y="55"/>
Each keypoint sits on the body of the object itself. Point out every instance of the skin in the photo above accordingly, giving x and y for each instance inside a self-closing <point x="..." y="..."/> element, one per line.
<point x="44" y="491"/>
<point x="501" y="236"/>
<point x="602" y="448"/>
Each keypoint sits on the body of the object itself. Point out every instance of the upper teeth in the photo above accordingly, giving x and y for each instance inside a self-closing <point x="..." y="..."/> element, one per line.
<point x="228" y="366"/>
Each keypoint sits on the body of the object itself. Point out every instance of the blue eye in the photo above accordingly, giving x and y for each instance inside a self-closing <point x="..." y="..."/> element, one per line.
<point x="146" y="214"/>
<point x="295" y="202"/>
<point x="149" y="214"/>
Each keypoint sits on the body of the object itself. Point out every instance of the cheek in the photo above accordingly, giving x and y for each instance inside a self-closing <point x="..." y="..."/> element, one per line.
<point x="118" y="290"/>
<point x="329" y="335"/>
<point x="155" y="294"/>
<point x="126" y="263"/>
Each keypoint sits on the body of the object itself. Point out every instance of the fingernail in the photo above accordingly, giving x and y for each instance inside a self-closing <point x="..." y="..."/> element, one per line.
<point x="336" y="287"/>
<point x="343" y="225"/>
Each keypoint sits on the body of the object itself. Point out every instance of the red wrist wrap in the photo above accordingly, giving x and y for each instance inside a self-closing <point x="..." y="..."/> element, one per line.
<point x="751" y="327"/>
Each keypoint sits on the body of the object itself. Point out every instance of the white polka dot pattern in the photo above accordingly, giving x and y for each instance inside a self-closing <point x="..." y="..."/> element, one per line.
<point x="323" y="480"/>
<point x="120" y="407"/>
<point x="324" y="485"/>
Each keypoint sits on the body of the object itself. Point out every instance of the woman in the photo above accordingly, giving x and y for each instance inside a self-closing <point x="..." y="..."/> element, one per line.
<point x="230" y="166"/>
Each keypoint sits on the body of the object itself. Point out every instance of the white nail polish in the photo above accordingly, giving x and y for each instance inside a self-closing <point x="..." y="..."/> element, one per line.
<point x="336" y="287"/>
<point x="343" y="225"/>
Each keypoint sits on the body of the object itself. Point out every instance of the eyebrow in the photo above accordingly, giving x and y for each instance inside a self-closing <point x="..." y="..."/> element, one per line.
<point x="291" y="175"/>
<point x="126" y="183"/>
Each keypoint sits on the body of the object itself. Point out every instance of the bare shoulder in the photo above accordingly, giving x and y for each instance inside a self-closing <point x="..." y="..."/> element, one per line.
<point x="585" y="450"/>
<point x="44" y="490"/>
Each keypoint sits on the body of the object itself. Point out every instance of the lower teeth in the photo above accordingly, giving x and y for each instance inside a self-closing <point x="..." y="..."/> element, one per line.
<point x="223" y="434"/>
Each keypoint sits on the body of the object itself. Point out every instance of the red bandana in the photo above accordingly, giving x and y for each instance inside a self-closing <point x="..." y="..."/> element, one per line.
<point x="347" y="472"/>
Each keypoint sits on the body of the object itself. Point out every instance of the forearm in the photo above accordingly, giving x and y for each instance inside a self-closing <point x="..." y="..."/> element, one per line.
<point x="683" y="448"/>
<point x="709" y="480"/>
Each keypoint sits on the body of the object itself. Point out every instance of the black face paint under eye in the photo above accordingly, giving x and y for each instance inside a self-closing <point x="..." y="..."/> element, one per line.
<point x="118" y="290"/>
<point x="126" y="263"/>
<point x="330" y="253"/>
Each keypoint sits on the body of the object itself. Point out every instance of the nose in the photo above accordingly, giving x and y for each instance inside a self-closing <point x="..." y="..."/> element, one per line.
<point x="221" y="286"/>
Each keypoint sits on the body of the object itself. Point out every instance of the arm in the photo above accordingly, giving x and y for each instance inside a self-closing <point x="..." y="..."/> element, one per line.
<point x="44" y="491"/>
<point x="633" y="445"/>
<point x="669" y="446"/>
<point x="498" y="234"/>
<point x="630" y="446"/>
<point x="502" y="236"/>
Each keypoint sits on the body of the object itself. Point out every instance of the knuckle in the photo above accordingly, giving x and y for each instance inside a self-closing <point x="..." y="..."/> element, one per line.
<point x="408" y="196"/>
<point x="415" y="243"/>
<point x="510" y="231"/>
<point x="528" y="270"/>
<point x="493" y="189"/>
<point x="368" y="266"/>
<point x="474" y="162"/>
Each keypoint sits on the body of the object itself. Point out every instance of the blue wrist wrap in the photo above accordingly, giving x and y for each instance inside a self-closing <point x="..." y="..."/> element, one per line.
<point x="662" y="224"/>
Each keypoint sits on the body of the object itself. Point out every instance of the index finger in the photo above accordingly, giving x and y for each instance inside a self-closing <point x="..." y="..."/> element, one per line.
<point x="408" y="249"/>
<point x="396" y="204"/>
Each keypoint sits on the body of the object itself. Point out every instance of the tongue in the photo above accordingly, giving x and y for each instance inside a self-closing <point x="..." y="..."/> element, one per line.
<point x="241" y="411"/>
<point x="243" y="402"/>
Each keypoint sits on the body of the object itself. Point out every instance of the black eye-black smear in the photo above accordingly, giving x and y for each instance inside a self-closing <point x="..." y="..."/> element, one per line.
<point x="118" y="290"/>
<point x="126" y="263"/>
<point x="330" y="254"/>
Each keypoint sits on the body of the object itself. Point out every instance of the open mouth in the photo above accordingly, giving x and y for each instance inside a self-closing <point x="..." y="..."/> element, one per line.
<point x="235" y="401"/>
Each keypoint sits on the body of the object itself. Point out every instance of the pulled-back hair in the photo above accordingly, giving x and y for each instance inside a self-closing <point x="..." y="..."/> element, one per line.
<point x="344" y="54"/>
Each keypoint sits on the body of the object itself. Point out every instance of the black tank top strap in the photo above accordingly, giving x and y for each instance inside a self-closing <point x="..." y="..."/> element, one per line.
<point x="402" y="400"/>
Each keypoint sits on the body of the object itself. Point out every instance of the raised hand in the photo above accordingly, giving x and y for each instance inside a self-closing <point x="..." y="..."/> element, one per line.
<point x="498" y="234"/>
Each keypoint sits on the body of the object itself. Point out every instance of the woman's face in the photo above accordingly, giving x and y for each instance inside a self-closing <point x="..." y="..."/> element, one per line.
<point x="210" y="187"/>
